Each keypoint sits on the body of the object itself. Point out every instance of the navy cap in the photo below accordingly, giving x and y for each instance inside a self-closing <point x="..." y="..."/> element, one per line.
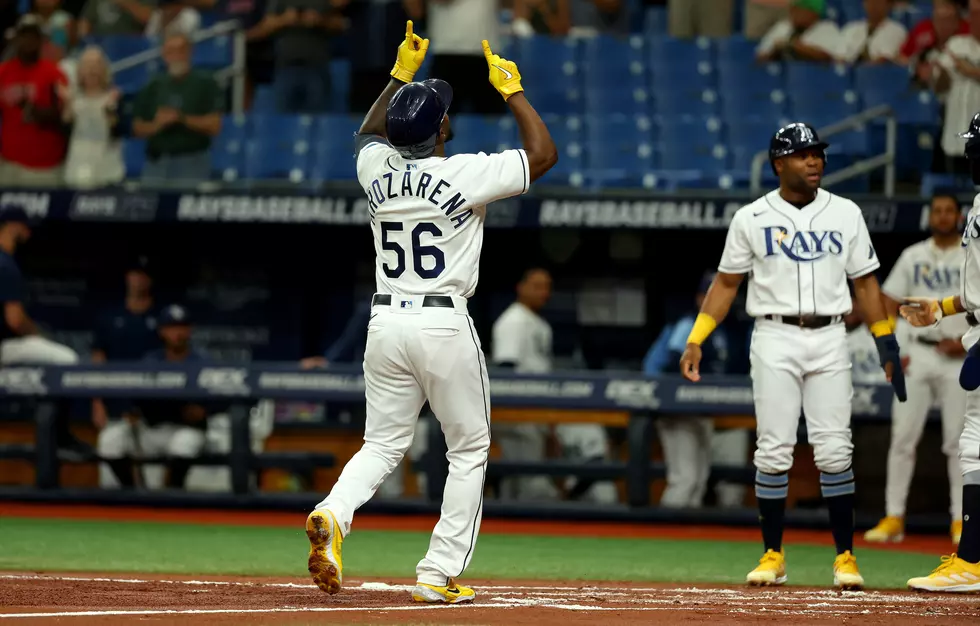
<point x="14" y="214"/>
<point x="174" y="315"/>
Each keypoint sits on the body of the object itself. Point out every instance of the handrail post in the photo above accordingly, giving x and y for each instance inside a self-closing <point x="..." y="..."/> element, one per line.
<point x="238" y="77"/>
<point x="891" y="140"/>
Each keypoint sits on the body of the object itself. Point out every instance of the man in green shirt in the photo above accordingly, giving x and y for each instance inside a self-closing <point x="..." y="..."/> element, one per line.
<point x="178" y="112"/>
<point x="110" y="17"/>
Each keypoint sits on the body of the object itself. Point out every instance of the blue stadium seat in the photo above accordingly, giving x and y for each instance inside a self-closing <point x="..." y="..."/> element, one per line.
<point x="267" y="159"/>
<point x="689" y="81"/>
<point x="620" y="100"/>
<point x="735" y="50"/>
<point x="683" y="105"/>
<point x="264" y="100"/>
<point x="475" y="133"/>
<point x="827" y="111"/>
<point x="134" y="156"/>
<point x="542" y="58"/>
<point x="885" y="78"/>
<point x="655" y="20"/>
<point x="911" y="107"/>
<point x="340" y="85"/>
<point x="332" y="155"/>
<point x="555" y="97"/>
<point x="811" y="80"/>
<point x="686" y="145"/>
<point x="569" y="135"/>
<point x="288" y="129"/>
<point x="620" y="149"/>
<point x="751" y="78"/>
<point x="666" y="49"/>
<point x="612" y="62"/>
<point x="121" y="46"/>
<point x="737" y="106"/>
<point x="213" y="53"/>
<point x="132" y="79"/>
<point x="851" y="11"/>
<point x="228" y="148"/>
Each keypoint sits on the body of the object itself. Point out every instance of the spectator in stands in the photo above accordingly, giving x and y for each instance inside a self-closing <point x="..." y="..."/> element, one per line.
<point x="804" y="36"/>
<point x="376" y="26"/>
<point x="259" y="51"/>
<point x="94" y="149"/>
<point x="761" y="15"/>
<point x="875" y="39"/>
<point x="21" y="341"/>
<point x="125" y="333"/>
<point x="169" y="16"/>
<point x="302" y="30"/>
<point x="957" y="73"/>
<point x="178" y="112"/>
<point x="541" y="17"/>
<point x="599" y="17"/>
<point x="159" y="427"/>
<point x="522" y="342"/>
<point x="700" y="18"/>
<point x="58" y="26"/>
<point x="928" y="38"/>
<point x="456" y="28"/>
<point x="690" y="443"/>
<point x="110" y="17"/>
<point x="32" y="138"/>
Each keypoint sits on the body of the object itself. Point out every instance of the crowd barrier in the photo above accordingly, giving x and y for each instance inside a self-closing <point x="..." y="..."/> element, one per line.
<point x="349" y="206"/>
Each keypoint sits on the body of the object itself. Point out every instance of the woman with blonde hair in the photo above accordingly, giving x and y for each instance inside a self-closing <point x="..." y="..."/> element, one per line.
<point x="94" y="149"/>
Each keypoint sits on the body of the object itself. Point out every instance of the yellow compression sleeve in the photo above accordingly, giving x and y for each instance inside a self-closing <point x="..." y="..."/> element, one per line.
<point x="949" y="305"/>
<point x="704" y="325"/>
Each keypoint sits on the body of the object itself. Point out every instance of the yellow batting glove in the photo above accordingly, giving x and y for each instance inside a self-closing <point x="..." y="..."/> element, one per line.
<point x="411" y="53"/>
<point x="503" y="73"/>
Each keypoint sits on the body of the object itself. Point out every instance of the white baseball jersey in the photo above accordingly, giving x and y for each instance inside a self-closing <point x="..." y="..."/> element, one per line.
<point x="884" y="43"/>
<point x="926" y="270"/>
<point x="427" y="214"/>
<point x="799" y="260"/>
<point x="970" y="275"/>
<point x="522" y="337"/>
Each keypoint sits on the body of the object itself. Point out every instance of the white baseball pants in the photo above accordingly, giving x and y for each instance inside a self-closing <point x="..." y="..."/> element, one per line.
<point x="970" y="438"/>
<point x="415" y="353"/>
<point x="796" y="369"/>
<point x="118" y="440"/>
<point x="929" y="377"/>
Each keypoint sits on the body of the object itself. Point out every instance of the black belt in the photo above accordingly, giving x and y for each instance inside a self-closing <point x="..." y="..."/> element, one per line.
<point x="971" y="319"/>
<point x="928" y="342"/>
<point x="805" y="321"/>
<point x="445" y="302"/>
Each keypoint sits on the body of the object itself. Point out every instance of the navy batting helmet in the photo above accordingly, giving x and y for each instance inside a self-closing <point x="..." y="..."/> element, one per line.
<point x="972" y="136"/>
<point x="414" y="116"/>
<point x="793" y="138"/>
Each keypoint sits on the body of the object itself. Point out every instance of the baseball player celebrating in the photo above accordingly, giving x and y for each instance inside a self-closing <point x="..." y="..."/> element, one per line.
<point x="929" y="269"/>
<point x="427" y="215"/>
<point x="799" y="245"/>
<point x="960" y="572"/>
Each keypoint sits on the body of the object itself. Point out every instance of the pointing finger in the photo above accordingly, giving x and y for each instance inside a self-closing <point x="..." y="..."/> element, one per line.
<point x="486" y="50"/>
<point x="408" y="31"/>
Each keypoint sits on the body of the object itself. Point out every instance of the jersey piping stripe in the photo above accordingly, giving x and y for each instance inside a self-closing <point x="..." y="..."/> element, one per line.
<point x="486" y="416"/>
<point x="813" y="269"/>
<point x="865" y="270"/>
<point x="526" y="168"/>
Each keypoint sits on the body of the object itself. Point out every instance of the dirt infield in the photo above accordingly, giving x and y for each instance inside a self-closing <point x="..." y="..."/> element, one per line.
<point x="90" y="599"/>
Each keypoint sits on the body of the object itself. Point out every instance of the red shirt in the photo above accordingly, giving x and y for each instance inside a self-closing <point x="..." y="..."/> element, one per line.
<point x="923" y="37"/>
<point x="29" y="144"/>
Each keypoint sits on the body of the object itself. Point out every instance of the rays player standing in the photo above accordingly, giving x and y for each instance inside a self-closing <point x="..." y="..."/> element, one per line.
<point x="960" y="572"/>
<point x="427" y="215"/>
<point x="930" y="269"/>
<point x="799" y="245"/>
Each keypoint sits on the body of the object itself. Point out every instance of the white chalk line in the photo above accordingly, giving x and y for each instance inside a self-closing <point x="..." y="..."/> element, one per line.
<point x="775" y="601"/>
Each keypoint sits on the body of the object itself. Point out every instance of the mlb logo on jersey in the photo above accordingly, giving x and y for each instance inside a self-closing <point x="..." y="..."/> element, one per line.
<point x="803" y="246"/>
<point x="407" y="304"/>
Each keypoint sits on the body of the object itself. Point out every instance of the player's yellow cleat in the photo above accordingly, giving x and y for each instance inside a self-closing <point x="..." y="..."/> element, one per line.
<point x="326" y="540"/>
<point x="954" y="575"/>
<point x="846" y="574"/>
<point x="771" y="570"/>
<point x="956" y="531"/>
<point x="450" y="594"/>
<point x="889" y="529"/>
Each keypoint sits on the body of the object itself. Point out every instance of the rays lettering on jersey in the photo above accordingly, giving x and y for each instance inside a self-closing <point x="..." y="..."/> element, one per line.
<point x="937" y="278"/>
<point x="418" y="185"/>
<point x="804" y="246"/>
<point x="971" y="231"/>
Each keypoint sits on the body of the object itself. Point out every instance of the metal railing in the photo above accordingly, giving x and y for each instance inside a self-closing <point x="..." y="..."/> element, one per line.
<point x="235" y="72"/>
<point x="854" y="122"/>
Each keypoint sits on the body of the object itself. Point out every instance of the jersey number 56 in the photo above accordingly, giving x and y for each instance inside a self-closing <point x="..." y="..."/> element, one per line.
<point x="419" y="251"/>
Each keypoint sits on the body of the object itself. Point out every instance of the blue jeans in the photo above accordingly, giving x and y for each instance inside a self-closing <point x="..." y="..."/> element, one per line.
<point x="179" y="168"/>
<point x="302" y="89"/>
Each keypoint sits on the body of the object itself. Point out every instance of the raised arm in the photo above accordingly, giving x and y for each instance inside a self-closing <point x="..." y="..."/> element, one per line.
<point x="411" y="53"/>
<point x="542" y="154"/>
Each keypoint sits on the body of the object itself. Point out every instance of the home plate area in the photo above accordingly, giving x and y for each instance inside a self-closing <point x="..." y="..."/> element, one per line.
<point x="83" y="599"/>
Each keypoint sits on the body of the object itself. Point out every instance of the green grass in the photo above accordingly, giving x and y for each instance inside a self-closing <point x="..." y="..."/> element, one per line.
<point x="70" y="545"/>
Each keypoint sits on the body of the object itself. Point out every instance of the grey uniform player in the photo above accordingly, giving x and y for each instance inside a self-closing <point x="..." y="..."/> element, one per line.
<point x="960" y="572"/>
<point x="931" y="269"/>
<point x="427" y="214"/>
